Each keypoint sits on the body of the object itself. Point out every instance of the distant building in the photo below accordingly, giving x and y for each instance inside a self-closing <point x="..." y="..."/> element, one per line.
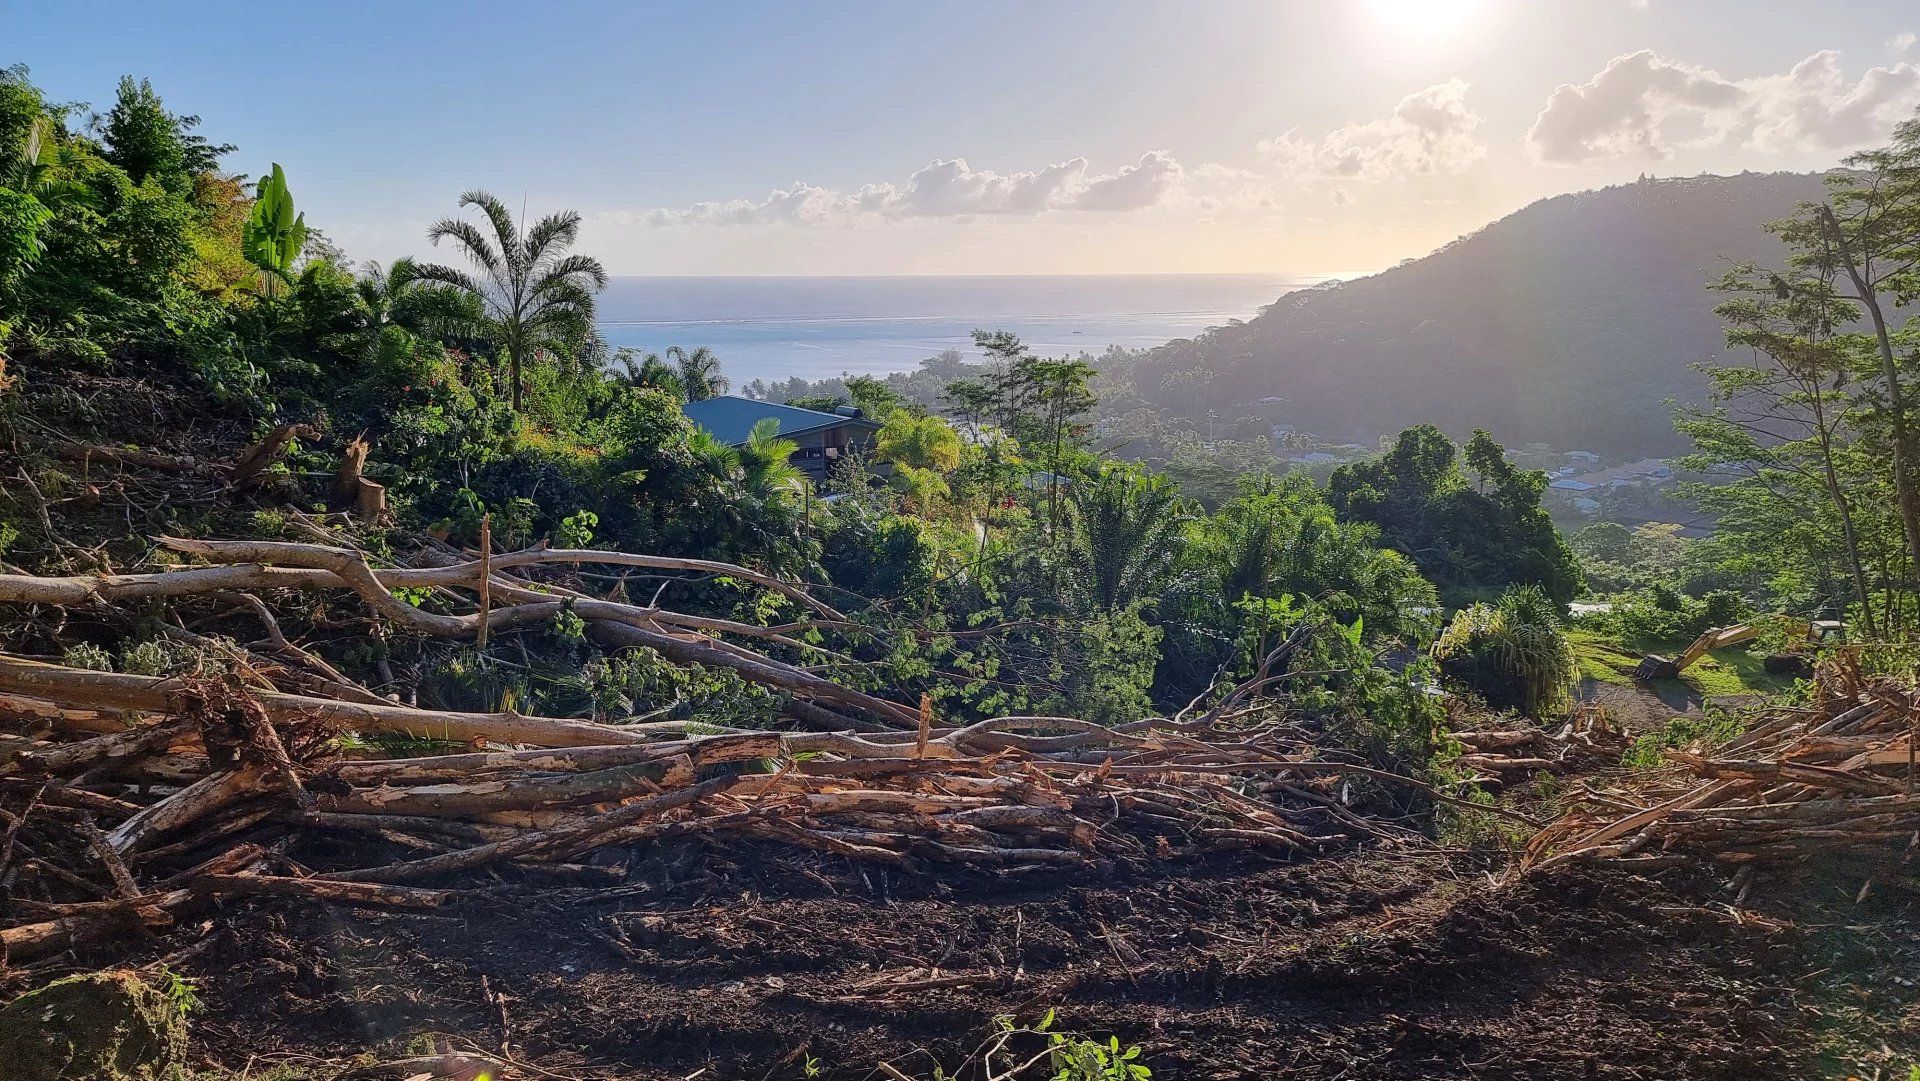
<point x="1586" y="456"/>
<point x="1569" y="484"/>
<point x="1315" y="457"/>
<point x="1040" y="480"/>
<point x="1586" y="505"/>
<point x="1645" y="471"/>
<point x="824" y="438"/>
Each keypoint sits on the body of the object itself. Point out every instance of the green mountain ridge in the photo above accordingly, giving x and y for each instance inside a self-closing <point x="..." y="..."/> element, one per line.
<point x="1571" y="322"/>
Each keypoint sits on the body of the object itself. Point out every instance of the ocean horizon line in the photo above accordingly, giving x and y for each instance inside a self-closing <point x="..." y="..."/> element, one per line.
<point x="1288" y="275"/>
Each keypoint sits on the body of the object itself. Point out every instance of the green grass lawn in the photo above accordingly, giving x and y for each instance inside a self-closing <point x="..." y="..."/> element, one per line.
<point x="1723" y="673"/>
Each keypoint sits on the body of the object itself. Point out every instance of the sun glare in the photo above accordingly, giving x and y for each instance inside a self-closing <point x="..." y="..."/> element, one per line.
<point x="1423" y="17"/>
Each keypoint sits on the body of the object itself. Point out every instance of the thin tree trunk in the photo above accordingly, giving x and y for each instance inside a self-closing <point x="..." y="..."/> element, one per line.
<point x="1903" y="484"/>
<point x="1845" y="507"/>
<point x="513" y="370"/>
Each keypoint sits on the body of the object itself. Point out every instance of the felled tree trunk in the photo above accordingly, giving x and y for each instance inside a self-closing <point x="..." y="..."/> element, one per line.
<point x="250" y="469"/>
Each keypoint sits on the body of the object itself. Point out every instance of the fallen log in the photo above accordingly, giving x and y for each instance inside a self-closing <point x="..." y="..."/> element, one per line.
<point x="155" y="694"/>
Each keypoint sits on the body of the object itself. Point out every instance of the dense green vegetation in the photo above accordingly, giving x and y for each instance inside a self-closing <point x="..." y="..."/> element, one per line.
<point x="996" y="562"/>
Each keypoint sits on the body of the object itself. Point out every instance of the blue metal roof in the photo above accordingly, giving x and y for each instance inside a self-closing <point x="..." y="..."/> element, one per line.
<point x="730" y="418"/>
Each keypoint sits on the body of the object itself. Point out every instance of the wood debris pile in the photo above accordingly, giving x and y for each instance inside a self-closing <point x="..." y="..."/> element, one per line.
<point x="126" y="800"/>
<point x="1498" y="758"/>
<point x="1832" y="786"/>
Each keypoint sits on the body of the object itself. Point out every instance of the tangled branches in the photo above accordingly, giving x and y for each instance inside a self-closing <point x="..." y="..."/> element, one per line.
<point x="1832" y="785"/>
<point x="129" y="798"/>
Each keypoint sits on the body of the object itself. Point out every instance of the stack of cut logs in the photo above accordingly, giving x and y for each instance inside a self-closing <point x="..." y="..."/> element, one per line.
<point x="1507" y="756"/>
<point x="125" y="799"/>
<point x="1831" y="786"/>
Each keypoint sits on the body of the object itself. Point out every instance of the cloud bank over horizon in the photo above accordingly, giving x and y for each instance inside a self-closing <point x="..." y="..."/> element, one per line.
<point x="1640" y="104"/>
<point x="1430" y="131"/>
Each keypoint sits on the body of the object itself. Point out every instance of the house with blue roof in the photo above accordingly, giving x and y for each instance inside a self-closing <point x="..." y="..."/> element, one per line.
<point x="824" y="438"/>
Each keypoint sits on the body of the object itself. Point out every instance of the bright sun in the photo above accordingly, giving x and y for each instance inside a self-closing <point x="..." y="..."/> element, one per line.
<point x="1423" y="16"/>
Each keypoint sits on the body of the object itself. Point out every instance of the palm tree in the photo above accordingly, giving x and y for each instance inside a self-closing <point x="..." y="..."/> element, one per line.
<point x="757" y="494"/>
<point x="652" y="373"/>
<point x="767" y="471"/>
<point x="1127" y="533"/>
<point x="699" y="372"/>
<point x="535" y="293"/>
<point x="382" y="288"/>
<point x="396" y="295"/>
<point x="919" y="442"/>
<point x="1269" y="544"/>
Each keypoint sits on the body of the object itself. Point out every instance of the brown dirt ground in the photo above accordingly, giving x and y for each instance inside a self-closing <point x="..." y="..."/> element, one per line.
<point x="1374" y="965"/>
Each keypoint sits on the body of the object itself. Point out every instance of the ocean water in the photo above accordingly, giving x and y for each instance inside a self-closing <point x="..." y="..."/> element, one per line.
<point x="773" y="328"/>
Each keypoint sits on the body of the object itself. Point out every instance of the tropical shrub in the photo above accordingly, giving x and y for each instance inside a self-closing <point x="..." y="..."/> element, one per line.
<point x="1514" y="652"/>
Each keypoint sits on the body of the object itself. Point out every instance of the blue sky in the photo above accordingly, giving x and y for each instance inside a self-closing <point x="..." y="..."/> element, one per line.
<point x="1112" y="136"/>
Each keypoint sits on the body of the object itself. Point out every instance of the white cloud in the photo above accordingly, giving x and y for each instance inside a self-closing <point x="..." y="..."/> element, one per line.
<point x="1432" y="131"/>
<point x="951" y="188"/>
<point x="802" y="204"/>
<point x="1642" y="103"/>
<point x="1899" y="43"/>
<point x="1146" y="183"/>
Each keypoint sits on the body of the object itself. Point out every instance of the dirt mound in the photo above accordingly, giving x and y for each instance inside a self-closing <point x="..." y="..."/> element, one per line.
<point x="101" y="1026"/>
<point x="1364" y="966"/>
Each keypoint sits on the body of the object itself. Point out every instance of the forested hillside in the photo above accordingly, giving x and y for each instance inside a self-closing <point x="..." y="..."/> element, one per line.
<point x="1570" y="323"/>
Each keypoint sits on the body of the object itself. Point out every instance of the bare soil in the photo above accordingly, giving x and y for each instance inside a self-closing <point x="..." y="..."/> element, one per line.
<point x="1368" y="965"/>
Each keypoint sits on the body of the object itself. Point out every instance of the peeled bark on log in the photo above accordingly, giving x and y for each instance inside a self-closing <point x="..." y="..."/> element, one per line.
<point x="515" y="793"/>
<point x="195" y="801"/>
<point x="27" y="941"/>
<point x="319" y="889"/>
<point x="39" y="711"/>
<point x="156" y="695"/>
<point x="530" y="842"/>
<point x="119" y="747"/>
<point x="1834" y="785"/>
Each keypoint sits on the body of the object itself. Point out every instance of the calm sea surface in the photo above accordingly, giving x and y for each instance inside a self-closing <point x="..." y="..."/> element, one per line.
<point x="773" y="328"/>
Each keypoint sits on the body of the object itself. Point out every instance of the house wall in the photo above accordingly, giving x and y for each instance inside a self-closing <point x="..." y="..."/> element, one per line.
<point x="820" y="448"/>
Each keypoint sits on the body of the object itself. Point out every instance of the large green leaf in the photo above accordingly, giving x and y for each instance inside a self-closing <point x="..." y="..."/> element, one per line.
<point x="274" y="233"/>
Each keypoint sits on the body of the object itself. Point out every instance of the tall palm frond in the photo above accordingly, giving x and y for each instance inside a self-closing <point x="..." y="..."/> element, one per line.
<point x="715" y="463"/>
<point x="534" y="292"/>
<point x="1514" y="652"/>
<point x="766" y="463"/>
